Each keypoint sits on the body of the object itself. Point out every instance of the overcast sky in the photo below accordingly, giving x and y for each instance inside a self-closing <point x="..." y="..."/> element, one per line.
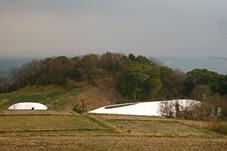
<point x="147" y="27"/>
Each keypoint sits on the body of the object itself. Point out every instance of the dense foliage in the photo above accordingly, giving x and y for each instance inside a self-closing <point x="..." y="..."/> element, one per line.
<point x="137" y="76"/>
<point x="204" y="81"/>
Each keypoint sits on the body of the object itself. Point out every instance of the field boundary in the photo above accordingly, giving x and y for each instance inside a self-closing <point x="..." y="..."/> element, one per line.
<point x="104" y="123"/>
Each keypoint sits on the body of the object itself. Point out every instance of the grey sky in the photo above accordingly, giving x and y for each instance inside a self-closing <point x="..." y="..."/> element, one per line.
<point x="148" y="27"/>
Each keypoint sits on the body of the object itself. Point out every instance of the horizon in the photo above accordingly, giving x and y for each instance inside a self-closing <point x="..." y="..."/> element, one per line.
<point x="100" y="53"/>
<point x="184" y="63"/>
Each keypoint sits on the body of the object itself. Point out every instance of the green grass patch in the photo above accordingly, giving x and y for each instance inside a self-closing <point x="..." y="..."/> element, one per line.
<point x="13" y="98"/>
<point x="53" y="97"/>
<point x="32" y="97"/>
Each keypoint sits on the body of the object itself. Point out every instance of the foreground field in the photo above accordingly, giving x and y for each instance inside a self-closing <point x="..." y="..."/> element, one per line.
<point x="107" y="143"/>
<point x="57" y="130"/>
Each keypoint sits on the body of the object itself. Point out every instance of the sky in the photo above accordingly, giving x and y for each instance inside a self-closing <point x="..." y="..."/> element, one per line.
<point x="145" y="27"/>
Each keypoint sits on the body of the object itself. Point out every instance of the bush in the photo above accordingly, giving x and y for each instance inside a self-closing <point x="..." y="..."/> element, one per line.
<point x="79" y="108"/>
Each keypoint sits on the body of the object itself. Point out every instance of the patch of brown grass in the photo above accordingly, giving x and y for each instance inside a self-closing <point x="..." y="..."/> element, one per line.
<point x="104" y="93"/>
<point x="216" y="126"/>
<point x="110" y="143"/>
<point x="157" y="128"/>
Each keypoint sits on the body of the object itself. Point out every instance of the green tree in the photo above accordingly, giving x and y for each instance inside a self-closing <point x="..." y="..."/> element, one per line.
<point x="55" y="70"/>
<point x="138" y="80"/>
<point x="202" y="77"/>
<point x="170" y="83"/>
<point x="89" y="67"/>
<point x="110" y="61"/>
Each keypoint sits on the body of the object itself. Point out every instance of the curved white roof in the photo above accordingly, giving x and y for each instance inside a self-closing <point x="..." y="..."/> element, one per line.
<point x="138" y="108"/>
<point x="28" y="106"/>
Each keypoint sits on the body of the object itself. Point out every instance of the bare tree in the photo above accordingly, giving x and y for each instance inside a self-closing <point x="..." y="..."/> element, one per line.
<point x="25" y="75"/>
<point x="4" y="83"/>
<point x="166" y="108"/>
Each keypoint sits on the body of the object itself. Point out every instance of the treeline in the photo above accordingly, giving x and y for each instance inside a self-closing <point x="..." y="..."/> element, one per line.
<point x="60" y="71"/>
<point x="138" y="77"/>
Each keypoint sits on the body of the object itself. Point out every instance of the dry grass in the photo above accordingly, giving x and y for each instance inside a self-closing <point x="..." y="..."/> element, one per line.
<point x="104" y="93"/>
<point x="35" y="112"/>
<point x="68" y="131"/>
<point x="130" y="117"/>
<point x="110" y="143"/>
<point x="213" y="125"/>
<point x="49" y="123"/>
<point x="157" y="128"/>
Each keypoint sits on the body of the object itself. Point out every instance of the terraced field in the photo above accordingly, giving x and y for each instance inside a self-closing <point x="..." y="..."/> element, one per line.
<point x="60" y="130"/>
<point x="110" y="143"/>
<point x="49" y="123"/>
<point x="153" y="126"/>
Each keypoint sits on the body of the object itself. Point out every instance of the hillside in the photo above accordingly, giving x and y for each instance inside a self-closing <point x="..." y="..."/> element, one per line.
<point x="65" y="82"/>
<point x="138" y="77"/>
<point x="57" y="97"/>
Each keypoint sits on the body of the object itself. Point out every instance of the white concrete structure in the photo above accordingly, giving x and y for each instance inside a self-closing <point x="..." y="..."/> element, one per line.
<point x="140" y="108"/>
<point x="28" y="106"/>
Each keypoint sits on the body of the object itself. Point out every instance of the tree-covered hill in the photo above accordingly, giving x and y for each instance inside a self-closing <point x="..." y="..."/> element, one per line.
<point x="135" y="78"/>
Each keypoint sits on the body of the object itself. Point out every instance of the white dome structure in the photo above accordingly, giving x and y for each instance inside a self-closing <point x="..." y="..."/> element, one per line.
<point x="28" y="106"/>
<point x="140" y="108"/>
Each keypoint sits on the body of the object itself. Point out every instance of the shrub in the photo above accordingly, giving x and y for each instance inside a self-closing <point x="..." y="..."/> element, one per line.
<point x="79" y="108"/>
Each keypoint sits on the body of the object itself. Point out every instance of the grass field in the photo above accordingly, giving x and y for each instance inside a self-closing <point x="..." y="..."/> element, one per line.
<point x="61" y="130"/>
<point x="50" y="123"/>
<point x="157" y="128"/>
<point x="154" y="126"/>
<point x="216" y="126"/>
<point x="52" y="96"/>
<point x="63" y="98"/>
<point x="110" y="143"/>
